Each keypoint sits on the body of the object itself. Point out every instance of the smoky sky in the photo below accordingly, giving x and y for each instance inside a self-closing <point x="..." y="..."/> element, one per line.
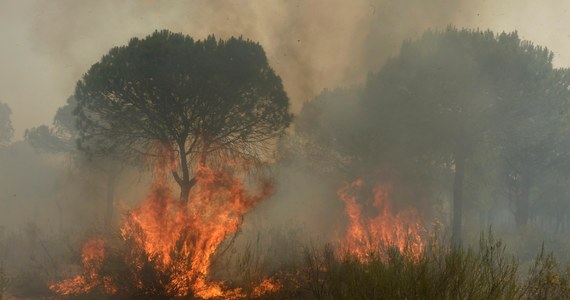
<point x="47" y="45"/>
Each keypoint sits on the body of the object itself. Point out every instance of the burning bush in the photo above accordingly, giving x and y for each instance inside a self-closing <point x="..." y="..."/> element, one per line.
<point x="168" y="245"/>
<point x="167" y="248"/>
<point x="366" y="235"/>
<point x="439" y="272"/>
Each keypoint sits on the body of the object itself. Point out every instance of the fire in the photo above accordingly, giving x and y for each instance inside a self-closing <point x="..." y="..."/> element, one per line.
<point x="367" y="235"/>
<point x="92" y="256"/>
<point x="267" y="286"/>
<point x="182" y="239"/>
<point x="177" y="240"/>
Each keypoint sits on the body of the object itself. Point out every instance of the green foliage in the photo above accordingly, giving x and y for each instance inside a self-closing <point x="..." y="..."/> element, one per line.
<point x="168" y="88"/>
<point x="486" y="111"/>
<point x="546" y="280"/>
<point x="533" y="135"/>
<point x="61" y="137"/>
<point x="436" y="92"/>
<point x="194" y="99"/>
<point x="328" y="127"/>
<point x="441" y="273"/>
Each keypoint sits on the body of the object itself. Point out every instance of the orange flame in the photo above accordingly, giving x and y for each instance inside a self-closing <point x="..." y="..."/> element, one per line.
<point x="267" y="286"/>
<point x="367" y="235"/>
<point x="92" y="256"/>
<point x="179" y="239"/>
<point x="182" y="239"/>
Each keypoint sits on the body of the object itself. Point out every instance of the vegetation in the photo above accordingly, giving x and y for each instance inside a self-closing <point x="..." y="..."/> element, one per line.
<point x="454" y="91"/>
<point x="61" y="137"/>
<point x="194" y="98"/>
<point x="454" y="105"/>
<point x="462" y="123"/>
<point x="441" y="273"/>
<point x="323" y="272"/>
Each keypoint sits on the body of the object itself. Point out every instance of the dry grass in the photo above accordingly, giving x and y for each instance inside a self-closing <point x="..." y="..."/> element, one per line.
<point x="487" y="271"/>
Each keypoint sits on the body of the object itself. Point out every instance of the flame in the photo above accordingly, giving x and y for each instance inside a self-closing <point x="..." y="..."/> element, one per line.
<point x="367" y="235"/>
<point x="182" y="239"/>
<point x="92" y="256"/>
<point x="178" y="240"/>
<point x="267" y="286"/>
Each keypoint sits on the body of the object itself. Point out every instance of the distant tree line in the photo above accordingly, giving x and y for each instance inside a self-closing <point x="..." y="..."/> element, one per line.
<point x="466" y="115"/>
<point x="472" y="108"/>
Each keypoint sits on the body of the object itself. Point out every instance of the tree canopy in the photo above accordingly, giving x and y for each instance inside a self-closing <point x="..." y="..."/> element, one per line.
<point x="195" y="98"/>
<point x="454" y="93"/>
<point x="59" y="138"/>
<point x="327" y="127"/>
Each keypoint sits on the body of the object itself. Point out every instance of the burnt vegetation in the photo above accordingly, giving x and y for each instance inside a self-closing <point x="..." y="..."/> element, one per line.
<point x="460" y="143"/>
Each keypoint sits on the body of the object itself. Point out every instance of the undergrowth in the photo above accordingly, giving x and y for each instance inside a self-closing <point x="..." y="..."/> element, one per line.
<point x="487" y="271"/>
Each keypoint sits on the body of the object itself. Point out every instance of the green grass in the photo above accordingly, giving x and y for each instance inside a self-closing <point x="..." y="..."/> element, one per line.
<point x="487" y="272"/>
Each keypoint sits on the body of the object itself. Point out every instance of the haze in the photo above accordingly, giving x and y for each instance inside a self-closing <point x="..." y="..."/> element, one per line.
<point x="48" y="45"/>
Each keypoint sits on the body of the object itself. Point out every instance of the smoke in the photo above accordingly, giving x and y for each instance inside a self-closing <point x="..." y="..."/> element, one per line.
<point x="312" y="45"/>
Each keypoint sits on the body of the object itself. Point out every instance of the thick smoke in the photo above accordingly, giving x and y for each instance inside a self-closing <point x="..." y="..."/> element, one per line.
<point x="312" y="45"/>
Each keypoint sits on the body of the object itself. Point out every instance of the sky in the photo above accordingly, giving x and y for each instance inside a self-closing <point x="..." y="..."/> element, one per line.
<point x="314" y="44"/>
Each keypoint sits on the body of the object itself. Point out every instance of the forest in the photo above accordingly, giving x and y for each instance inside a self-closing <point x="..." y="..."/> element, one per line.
<point x="177" y="169"/>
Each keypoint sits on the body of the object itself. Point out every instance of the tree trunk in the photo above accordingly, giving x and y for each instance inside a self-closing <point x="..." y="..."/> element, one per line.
<point x="185" y="188"/>
<point x="185" y="182"/>
<point x="458" y="199"/>
<point x="523" y="204"/>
